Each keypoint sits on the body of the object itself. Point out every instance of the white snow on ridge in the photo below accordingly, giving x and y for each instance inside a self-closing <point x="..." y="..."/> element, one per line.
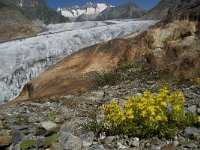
<point x="90" y="8"/>
<point x="22" y="60"/>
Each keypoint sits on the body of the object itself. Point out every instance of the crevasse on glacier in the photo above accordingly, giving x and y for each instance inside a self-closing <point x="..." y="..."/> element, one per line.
<point x="22" y="60"/>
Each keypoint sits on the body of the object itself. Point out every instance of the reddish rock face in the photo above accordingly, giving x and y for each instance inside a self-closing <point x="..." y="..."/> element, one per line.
<point x="175" y="46"/>
<point x="67" y="76"/>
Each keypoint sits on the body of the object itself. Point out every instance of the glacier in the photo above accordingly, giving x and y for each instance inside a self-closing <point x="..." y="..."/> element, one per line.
<point x="22" y="60"/>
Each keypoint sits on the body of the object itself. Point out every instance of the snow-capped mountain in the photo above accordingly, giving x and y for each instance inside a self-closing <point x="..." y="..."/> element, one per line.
<point x="89" y="11"/>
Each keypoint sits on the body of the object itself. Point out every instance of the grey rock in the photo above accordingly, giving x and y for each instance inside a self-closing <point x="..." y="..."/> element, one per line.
<point x="70" y="142"/>
<point x="5" y="132"/>
<point x="106" y="87"/>
<point x="73" y="126"/>
<point x="191" y="132"/>
<point x="95" y="95"/>
<point x="147" y="145"/>
<point x="176" y="138"/>
<point x="138" y="94"/>
<point x="17" y="136"/>
<point x="175" y="143"/>
<point x="136" y="142"/>
<point x="87" y="17"/>
<point x="121" y="146"/>
<point x="191" y="145"/>
<point x="88" y="137"/>
<point x="87" y="144"/>
<point x="96" y="146"/>
<point x="156" y="147"/>
<point x="16" y="147"/>
<point x="198" y="111"/>
<point x="49" y="125"/>
<point x="102" y="135"/>
<point x="126" y="136"/>
<point x="108" y="140"/>
<point x="192" y="108"/>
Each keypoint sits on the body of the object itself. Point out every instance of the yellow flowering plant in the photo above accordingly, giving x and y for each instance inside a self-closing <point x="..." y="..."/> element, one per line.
<point x="148" y="115"/>
<point x="197" y="80"/>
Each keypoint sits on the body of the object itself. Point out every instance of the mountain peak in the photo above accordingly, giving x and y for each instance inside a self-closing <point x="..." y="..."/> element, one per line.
<point x="89" y="8"/>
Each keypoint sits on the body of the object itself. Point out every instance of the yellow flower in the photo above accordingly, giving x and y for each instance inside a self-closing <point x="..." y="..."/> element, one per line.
<point x="143" y="113"/>
<point x="146" y="111"/>
<point x="197" y="80"/>
<point x="129" y="114"/>
<point x="141" y="106"/>
<point x="151" y="110"/>
<point x="198" y="119"/>
<point x="177" y="108"/>
<point x="159" y="118"/>
<point x="163" y="104"/>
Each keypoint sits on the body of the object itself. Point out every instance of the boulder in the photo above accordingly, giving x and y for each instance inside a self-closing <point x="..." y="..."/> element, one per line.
<point x="69" y="142"/>
<point x="5" y="141"/>
<point x="191" y="132"/>
<point x="49" y="125"/>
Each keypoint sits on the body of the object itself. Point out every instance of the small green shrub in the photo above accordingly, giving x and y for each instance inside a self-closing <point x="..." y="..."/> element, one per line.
<point x="51" y="116"/>
<point x="48" y="142"/>
<point x="148" y="115"/>
<point x="93" y="126"/>
<point x="17" y="119"/>
<point x="124" y="65"/>
<point x="111" y="78"/>
<point x="27" y="144"/>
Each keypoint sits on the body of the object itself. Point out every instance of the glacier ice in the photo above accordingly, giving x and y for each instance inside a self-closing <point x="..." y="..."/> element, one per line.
<point x="22" y="60"/>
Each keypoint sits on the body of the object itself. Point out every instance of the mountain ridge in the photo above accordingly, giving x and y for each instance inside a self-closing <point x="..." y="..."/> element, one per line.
<point x="104" y="12"/>
<point x="36" y="9"/>
<point x="125" y="11"/>
<point x="160" y="10"/>
<point x="25" y="18"/>
<point x="88" y="10"/>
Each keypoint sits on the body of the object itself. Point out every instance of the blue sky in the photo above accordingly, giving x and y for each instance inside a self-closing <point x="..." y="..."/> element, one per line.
<point x="145" y="4"/>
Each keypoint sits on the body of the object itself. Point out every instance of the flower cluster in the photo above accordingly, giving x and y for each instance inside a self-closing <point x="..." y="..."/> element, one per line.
<point x="197" y="80"/>
<point x="148" y="114"/>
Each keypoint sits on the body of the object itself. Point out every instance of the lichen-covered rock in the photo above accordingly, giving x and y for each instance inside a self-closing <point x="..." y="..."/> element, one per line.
<point x="49" y="125"/>
<point x="5" y="141"/>
<point x="69" y="142"/>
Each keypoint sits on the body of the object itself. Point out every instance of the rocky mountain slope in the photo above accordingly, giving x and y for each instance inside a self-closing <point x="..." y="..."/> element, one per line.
<point x="171" y="44"/>
<point x="126" y="11"/>
<point x="36" y="9"/>
<point x="24" y="59"/>
<point x="160" y="10"/>
<point x="88" y="12"/>
<point x="14" y="24"/>
<point x="61" y="122"/>
<point x="24" y="18"/>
